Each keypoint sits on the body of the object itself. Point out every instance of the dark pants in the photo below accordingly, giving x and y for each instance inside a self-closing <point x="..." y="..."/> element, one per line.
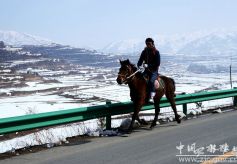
<point x="152" y="77"/>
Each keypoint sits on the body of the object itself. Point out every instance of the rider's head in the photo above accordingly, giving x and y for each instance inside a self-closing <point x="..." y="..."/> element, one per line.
<point x="149" y="42"/>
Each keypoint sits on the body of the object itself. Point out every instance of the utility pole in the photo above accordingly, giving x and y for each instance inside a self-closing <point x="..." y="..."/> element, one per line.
<point x="230" y="77"/>
<point x="231" y="71"/>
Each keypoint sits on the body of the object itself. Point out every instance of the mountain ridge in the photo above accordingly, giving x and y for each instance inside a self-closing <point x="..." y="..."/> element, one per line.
<point x="179" y="43"/>
<point x="18" y="39"/>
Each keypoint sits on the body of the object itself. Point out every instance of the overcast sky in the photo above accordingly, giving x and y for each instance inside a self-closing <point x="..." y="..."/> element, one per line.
<point x="96" y="23"/>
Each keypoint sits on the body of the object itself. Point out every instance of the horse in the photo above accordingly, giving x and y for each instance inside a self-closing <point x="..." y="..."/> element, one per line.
<point x="129" y="74"/>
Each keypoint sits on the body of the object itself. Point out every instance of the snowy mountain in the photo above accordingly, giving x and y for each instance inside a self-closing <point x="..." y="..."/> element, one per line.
<point x="196" y="43"/>
<point x="222" y="43"/>
<point x="124" y="47"/>
<point x="22" y="46"/>
<point x="18" y="39"/>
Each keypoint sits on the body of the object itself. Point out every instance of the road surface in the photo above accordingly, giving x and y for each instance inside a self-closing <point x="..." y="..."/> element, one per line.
<point x="162" y="145"/>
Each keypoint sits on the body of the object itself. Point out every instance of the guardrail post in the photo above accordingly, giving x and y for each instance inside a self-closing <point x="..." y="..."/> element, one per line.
<point x="235" y="101"/>
<point x="108" y="118"/>
<point x="185" y="107"/>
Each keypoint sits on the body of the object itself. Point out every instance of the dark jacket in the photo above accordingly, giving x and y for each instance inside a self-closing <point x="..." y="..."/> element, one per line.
<point x="151" y="57"/>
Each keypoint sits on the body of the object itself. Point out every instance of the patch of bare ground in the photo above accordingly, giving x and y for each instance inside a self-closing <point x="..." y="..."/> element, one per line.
<point x="76" y="140"/>
<point x="70" y="141"/>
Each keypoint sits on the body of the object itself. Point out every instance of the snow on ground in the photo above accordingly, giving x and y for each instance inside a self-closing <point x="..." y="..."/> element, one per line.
<point x="94" y="87"/>
<point x="48" y="136"/>
<point x="38" y="103"/>
<point x="34" y="86"/>
<point x="114" y="93"/>
<point x="18" y="62"/>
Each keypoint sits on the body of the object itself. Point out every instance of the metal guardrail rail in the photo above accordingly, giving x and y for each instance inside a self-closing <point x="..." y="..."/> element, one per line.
<point x="27" y="122"/>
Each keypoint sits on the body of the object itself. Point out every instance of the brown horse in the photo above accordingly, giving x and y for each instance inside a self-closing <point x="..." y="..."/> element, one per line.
<point x="129" y="74"/>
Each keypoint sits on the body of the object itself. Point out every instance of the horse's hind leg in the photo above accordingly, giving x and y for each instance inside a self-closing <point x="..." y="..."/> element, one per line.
<point x="171" y="99"/>
<point x="157" y="98"/>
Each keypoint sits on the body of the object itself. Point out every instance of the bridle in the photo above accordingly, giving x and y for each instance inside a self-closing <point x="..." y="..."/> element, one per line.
<point x="130" y="77"/>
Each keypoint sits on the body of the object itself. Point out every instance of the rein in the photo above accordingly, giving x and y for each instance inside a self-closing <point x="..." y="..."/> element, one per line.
<point x="131" y="76"/>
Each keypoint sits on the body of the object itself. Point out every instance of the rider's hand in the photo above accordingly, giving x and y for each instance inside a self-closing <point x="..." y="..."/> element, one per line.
<point x="145" y="65"/>
<point x="141" y="68"/>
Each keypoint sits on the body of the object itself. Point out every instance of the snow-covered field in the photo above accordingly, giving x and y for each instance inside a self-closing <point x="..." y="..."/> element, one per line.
<point x="86" y="92"/>
<point x="89" y="86"/>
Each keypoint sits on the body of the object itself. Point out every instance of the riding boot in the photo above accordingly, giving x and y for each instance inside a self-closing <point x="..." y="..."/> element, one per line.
<point x="151" y="100"/>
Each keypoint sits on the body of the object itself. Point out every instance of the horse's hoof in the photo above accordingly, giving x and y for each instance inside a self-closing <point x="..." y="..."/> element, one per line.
<point x="143" y="122"/>
<point x="129" y="130"/>
<point x="152" y="125"/>
<point x="178" y="119"/>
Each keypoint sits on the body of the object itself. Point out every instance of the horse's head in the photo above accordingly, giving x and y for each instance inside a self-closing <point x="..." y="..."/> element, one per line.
<point x="125" y="71"/>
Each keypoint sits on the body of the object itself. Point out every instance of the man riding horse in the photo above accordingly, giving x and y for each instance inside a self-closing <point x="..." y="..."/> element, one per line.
<point x="150" y="58"/>
<point x="129" y="74"/>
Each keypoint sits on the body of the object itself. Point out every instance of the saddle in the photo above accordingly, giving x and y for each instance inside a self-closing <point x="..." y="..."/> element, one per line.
<point x="159" y="83"/>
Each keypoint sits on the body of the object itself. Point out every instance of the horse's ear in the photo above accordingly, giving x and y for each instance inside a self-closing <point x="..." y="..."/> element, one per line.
<point x="120" y="61"/>
<point x="127" y="61"/>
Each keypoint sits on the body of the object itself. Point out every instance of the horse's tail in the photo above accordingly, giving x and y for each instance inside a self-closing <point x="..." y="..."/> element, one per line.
<point x="173" y="86"/>
<point x="173" y="83"/>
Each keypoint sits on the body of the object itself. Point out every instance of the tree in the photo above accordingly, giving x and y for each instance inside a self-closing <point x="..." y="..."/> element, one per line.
<point x="2" y="45"/>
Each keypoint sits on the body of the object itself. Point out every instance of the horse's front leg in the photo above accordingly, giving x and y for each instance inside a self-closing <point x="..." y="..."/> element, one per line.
<point x="137" y="108"/>
<point x="157" y="111"/>
<point x="141" y="121"/>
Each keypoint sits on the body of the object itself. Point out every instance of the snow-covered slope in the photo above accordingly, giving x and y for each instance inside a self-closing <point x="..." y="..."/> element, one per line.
<point x="124" y="47"/>
<point x="18" y="39"/>
<point x="223" y="43"/>
<point x="201" y="42"/>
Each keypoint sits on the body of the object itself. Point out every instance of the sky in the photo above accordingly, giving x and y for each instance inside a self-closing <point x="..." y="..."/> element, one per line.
<point x="97" y="23"/>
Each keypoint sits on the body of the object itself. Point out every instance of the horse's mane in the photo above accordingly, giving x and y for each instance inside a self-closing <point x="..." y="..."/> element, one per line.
<point x="134" y="68"/>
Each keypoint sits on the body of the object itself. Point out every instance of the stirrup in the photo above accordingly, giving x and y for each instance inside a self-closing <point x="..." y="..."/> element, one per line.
<point x="152" y="95"/>
<point x="151" y="100"/>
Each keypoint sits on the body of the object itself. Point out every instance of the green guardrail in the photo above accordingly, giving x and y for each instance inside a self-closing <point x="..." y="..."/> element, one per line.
<point x="27" y="122"/>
